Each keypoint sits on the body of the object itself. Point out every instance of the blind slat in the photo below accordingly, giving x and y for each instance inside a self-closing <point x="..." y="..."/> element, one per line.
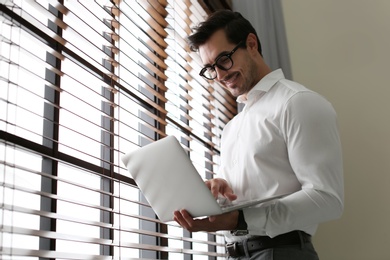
<point x="84" y="84"/>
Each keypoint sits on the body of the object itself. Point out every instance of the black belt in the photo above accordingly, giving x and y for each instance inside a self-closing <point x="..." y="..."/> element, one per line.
<point x="259" y="243"/>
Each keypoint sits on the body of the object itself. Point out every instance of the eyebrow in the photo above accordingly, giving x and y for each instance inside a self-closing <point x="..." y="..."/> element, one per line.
<point x="216" y="58"/>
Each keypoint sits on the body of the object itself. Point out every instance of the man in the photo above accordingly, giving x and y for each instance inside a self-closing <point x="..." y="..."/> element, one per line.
<point x="284" y="141"/>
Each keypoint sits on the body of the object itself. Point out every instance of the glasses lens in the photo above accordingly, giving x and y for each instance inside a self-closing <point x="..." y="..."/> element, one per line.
<point x="208" y="72"/>
<point x="224" y="62"/>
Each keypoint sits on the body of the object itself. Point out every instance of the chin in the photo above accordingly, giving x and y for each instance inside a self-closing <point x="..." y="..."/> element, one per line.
<point x="235" y="93"/>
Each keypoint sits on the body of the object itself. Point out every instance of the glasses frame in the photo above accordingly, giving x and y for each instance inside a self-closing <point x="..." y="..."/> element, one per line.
<point x="215" y="64"/>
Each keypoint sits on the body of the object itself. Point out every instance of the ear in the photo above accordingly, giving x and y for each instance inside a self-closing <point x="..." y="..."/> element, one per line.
<point x="251" y="42"/>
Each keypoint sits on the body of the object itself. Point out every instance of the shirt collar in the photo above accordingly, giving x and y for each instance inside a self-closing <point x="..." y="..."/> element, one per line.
<point x="263" y="85"/>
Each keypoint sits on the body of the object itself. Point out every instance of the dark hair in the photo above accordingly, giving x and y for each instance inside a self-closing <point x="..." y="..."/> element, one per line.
<point x="236" y="27"/>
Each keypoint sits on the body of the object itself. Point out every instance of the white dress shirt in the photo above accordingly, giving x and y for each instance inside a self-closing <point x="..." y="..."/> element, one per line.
<point x="285" y="140"/>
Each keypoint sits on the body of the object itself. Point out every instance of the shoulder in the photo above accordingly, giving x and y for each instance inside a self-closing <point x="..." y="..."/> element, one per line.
<point x="292" y="94"/>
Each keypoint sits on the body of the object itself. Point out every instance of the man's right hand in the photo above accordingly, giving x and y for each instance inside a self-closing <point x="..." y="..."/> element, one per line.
<point x="220" y="186"/>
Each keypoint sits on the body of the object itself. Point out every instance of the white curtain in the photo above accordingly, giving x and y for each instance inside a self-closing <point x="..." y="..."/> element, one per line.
<point x="266" y="17"/>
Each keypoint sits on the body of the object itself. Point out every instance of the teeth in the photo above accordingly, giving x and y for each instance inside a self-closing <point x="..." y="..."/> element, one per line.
<point x="231" y="79"/>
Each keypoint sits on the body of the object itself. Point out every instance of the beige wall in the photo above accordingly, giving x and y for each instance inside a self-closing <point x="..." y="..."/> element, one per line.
<point x="341" y="49"/>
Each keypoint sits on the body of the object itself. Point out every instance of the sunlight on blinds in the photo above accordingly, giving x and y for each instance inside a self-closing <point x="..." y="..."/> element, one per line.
<point x="81" y="84"/>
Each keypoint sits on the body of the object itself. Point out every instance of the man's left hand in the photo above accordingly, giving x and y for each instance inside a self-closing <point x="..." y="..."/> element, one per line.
<point x="226" y="221"/>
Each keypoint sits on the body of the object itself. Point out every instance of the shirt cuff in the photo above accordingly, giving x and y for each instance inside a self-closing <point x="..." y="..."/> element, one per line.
<point x="256" y="219"/>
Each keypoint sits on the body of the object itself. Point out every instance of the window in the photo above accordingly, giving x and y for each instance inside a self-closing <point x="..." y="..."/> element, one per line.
<point x="81" y="83"/>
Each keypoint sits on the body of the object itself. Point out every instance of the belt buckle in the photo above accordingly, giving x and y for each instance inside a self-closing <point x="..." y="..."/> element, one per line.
<point x="232" y="249"/>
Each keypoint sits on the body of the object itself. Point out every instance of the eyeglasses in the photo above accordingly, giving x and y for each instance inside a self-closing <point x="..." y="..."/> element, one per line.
<point x="223" y="62"/>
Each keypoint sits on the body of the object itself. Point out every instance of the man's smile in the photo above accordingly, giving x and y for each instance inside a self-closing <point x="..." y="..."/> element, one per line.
<point x="231" y="80"/>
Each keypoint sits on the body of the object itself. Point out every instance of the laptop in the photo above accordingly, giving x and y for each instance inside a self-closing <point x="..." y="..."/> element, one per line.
<point x="169" y="181"/>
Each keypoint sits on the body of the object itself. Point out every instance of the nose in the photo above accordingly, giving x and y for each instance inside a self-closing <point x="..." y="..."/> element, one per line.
<point x="220" y="73"/>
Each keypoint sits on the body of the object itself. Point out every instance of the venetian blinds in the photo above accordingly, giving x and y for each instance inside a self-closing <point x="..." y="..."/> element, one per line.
<point x="81" y="83"/>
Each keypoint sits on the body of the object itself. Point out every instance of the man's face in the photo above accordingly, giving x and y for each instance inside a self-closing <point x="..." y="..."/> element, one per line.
<point x="239" y="78"/>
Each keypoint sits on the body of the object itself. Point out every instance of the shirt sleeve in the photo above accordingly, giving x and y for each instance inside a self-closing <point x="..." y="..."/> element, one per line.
<point x="310" y="129"/>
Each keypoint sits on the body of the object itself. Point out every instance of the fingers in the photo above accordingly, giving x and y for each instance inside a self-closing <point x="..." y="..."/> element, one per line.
<point x="227" y="191"/>
<point x="183" y="219"/>
<point x="213" y="187"/>
<point x="230" y="196"/>
<point x="227" y="221"/>
<point x="220" y="186"/>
